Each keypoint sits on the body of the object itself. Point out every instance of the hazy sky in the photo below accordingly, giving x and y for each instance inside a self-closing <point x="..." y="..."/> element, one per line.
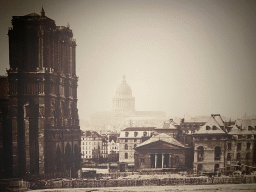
<point x="195" y="57"/>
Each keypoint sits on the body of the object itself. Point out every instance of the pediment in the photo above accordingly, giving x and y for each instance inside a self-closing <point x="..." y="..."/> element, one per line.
<point x="160" y="145"/>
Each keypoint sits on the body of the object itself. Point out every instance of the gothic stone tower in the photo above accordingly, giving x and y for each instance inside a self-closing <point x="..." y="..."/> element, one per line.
<point x="43" y="96"/>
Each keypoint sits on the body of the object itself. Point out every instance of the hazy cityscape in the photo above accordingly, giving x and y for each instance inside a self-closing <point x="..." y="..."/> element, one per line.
<point x="113" y="94"/>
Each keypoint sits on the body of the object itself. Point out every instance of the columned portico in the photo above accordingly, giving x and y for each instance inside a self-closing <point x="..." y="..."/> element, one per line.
<point x="159" y="160"/>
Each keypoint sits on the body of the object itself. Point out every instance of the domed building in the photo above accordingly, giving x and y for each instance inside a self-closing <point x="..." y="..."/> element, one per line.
<point x="123" y="113"/>
<point x="123" y="99"/>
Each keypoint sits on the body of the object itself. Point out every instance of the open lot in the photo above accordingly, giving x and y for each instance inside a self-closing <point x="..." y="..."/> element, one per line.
<point x="208" y="188"/>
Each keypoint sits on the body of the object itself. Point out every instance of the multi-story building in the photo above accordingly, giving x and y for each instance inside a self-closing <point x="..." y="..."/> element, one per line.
<point x="241" y="149"/>
<point x="220" y="147"/>
<point x="91" y="145"/>
<point x="42" y="96"/>
<point x="129" y="138"/>
<point x="209" y="146"/>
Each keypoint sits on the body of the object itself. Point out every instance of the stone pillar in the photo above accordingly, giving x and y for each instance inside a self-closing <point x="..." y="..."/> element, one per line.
<point x="41" y="49"/>
<point x="162" y="160"/>
<point x="195" y="156"/>
<point x="155" y="160"/>
<point x="41" y="143"/>
<point x="27" y="143"/>
<point x="15" y="147"/>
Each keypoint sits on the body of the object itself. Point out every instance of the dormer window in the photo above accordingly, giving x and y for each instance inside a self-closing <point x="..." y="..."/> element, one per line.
<point x="214" y="127"/>
<point x="126" y="134"/>
<point x="135" y="134"/>
<point x="208" y="127"/>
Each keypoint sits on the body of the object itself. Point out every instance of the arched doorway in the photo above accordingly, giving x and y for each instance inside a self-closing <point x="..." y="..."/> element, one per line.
<point x="58" y="159"/>
<point x="68" y="156"/>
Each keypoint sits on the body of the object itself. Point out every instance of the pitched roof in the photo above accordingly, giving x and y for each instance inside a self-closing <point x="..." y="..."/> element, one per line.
<point x="32" y="14"/>
<point x="161" y="137"/>
<point x="213" y="121"/>
<point x="237" y="131"/>
<point x="170" y="124"/>
<point x="139" y="129"/>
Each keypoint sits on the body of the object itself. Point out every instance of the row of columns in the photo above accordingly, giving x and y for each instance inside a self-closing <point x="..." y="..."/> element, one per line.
<point x="122" y="103"/>
<point x="163" y="155"/>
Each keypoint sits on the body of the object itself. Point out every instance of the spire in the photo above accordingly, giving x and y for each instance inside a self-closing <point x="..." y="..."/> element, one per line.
<point x="42" y="12"/>
<point x="68" y="26"/>
<point x="124" y="78"/>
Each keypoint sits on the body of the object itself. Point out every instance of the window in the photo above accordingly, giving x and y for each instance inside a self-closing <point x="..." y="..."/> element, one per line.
<point x="248" y="146"/>
<point x="214" y="127"/>
<point x="239" y="145"/>
<point x="126" y="155"/>
<point x="142" y="160"/>
<point x="135" y="134"/>
<point x="135" y="140"/>
<point x="217" y="153"/>
<point x="208" y="127"/>
<point x="135" y="145"/>
<point x="229" y="157"/>
<point x="200" y="153"/>
<point x="144" y="133"/>
<point x="126" y="147"/>
<point x="126" y="134"/>
<point x="229" y="146"/>
<point x="126" y="140"/>
<point x="239" y="136"/>
<point x="238" y="156"/>
<point x="249" y="136"/>
<point x="216" y="167"/>
<point x="176" y="160"/>
<point x="199" y="168"/>
<point x="247" y="156"/>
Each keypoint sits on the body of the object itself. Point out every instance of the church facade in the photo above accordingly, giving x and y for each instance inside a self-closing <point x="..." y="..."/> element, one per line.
<point x="42" y="96"/>
<point x="123" y="113"/>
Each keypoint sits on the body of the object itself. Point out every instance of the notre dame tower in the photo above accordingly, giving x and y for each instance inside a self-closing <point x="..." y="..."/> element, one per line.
<point x="43" y="96"/>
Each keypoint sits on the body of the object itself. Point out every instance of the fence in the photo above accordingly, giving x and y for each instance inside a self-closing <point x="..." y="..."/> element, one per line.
<point x="80" y="183"/>
<point x="13" y="184"/>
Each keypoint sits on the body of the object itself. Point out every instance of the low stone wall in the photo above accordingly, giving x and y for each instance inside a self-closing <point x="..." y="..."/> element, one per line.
<point x="79" y="183"/>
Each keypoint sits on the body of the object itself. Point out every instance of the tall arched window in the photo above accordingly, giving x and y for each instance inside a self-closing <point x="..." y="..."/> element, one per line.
<point x="135" y="134"/>
<point x="126" y="155"/>
<point x="217" y="153"/>
<point x="200" y="153"/>
<point x="58" y="159"/>
<point x="144" y="133"/>
<point x="126" y="147"/>
<point x="68" y="156"/>
<point x="126" y="134"/>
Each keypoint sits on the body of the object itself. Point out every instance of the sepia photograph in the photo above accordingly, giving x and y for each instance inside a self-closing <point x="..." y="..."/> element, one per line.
<point x="127" y="95"/>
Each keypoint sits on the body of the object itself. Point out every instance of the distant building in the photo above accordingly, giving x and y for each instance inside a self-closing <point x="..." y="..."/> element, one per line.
<point x="241" y="149"/>
<point x="128" y="140"/>
<point x="123" y="113"/>
<point x="93" y="146"/>
<point x="169" y="127"/>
